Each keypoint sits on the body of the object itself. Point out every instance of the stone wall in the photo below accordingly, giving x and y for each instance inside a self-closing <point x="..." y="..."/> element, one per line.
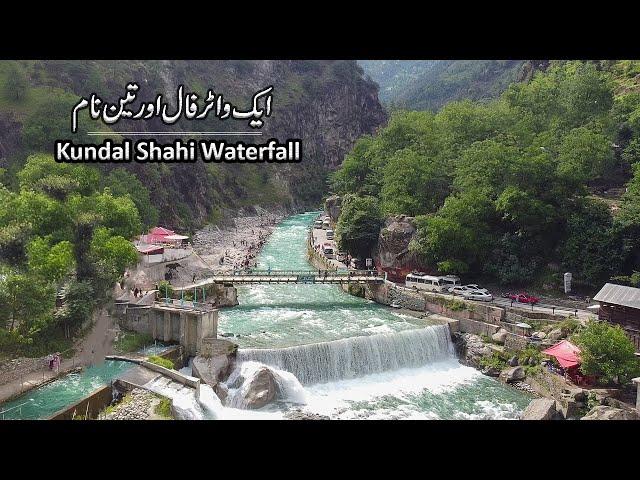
<point x="478" y="328"/>
<point x="176" y="354"/>
<point x="91" y="405"/>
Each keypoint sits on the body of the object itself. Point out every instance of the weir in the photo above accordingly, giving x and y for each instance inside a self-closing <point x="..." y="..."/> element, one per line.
<point x="357" y="356"/>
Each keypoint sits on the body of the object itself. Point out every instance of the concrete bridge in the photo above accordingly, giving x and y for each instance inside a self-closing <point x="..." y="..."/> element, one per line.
<point x="288" y="276"/>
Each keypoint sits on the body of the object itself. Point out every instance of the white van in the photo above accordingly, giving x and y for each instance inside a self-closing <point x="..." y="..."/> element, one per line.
<point x="430" y="282"/>
<point x="317" y="224"/>
<point x="330" y="234"/>
<point x="326" y="224"/>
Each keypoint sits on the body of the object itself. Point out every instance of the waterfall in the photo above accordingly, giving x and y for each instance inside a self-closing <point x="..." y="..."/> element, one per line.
<point x="357" y="356"/>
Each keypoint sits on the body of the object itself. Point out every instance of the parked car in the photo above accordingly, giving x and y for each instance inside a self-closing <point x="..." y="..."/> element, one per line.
<point x="477" y="295"/>
<point x="329" y="234"/>
<point x="523" y="298"/>
<point x="459" y="289"/>
<point x="475" y="286"/>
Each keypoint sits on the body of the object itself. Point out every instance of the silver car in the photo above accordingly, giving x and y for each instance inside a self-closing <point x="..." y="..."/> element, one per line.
<point x="478" y="295"/>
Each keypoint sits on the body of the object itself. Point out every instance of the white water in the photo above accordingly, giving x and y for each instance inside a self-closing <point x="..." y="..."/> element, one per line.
<point x="357" y="356"/>
<point x="289" y="388"/>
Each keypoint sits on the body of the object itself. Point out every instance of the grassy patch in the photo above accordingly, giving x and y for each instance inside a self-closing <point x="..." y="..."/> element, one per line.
<point x="128" y="342"/>
<point x="163" y="362"/>
<point x="163" y="409"/>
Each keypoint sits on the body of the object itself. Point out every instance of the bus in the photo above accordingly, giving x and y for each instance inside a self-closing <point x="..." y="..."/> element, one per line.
<point x="421" y="281"/>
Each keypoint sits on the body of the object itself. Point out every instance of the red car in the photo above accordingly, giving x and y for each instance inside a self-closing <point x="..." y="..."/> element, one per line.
<point x="523" y="298"/>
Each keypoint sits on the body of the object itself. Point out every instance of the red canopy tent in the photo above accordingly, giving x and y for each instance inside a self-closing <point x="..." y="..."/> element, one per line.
<point x="157" y="235"/>
<point x="567" y="354"/>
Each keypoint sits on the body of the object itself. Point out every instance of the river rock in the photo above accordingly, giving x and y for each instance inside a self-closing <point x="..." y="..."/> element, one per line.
<point x="513" y="374"/>
<point x="260" y="390"/>
<point x="604" y="412"/>
<point x="513" y="361"/>
<point x="300" y="415"/>
<point x="500" y="336"/>
<point x="569" y="408"/>
<point x="555" y="335"/>
<point x="491" y="371"/>
<point x="540" y="409"/>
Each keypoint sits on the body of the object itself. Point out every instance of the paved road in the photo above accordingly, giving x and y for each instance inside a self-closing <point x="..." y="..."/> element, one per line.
<point x="320" y="238"/>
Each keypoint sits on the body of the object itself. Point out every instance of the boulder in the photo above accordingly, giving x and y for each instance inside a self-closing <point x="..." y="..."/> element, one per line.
<point x="540" y="409"/>
<point x="569" y="408"/>
<point x="491" y="371"/>
<point x="513" y="374"/>
<point x="500" y="336"/>
<point x="604" y="412"/>
<point x="472" y="349"/>
<point x="260" y="389"/>
<point x="555" y="335"/>
<point x="332" y="206"/>
<point x="539" y="335"/>
<point x="513" y="361"/>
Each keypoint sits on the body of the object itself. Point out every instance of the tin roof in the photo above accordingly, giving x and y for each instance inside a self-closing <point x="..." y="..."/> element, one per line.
<point x="619" y="295"/>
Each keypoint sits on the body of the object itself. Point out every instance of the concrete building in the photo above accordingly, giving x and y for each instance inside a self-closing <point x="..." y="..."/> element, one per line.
<point x="181" y="323"/>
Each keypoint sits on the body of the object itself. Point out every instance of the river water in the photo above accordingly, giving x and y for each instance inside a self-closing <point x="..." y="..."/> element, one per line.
<point x="332" y="354"/>
<point x="351" y="357"/>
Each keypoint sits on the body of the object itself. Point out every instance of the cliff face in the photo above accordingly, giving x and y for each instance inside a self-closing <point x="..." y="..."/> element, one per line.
<point x="326" y="104"/>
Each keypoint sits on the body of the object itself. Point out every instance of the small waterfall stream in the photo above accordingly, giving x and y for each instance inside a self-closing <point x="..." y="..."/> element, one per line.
<point x="357" y="356"/>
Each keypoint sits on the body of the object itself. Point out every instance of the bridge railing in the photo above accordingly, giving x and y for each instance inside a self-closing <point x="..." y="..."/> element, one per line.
<point x="293" y="273"/>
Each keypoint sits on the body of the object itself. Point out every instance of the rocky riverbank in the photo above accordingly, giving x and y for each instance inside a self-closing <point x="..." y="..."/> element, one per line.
<point x="558" y="398"/>
<point x="139" y="404"/>
<point x="235" y="246"/>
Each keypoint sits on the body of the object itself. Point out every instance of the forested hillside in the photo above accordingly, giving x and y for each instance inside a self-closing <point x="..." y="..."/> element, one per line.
<point x="328" y="104"/>
<point x="428" y="85"/>
<point x="65" y="229"/>
<point x="510" y="189"/>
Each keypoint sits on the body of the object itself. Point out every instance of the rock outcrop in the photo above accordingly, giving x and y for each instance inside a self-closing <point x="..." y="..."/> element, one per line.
<point x="540" y="409"/>
<point x="392" y="251"/>
<point x="216" y="361"/>
<point x="604" y="412"/>
<point x="260" y="389"/>
<point x="471" y="349"/>
<point x="513" y="374"/>
<point x="332" y="206"/>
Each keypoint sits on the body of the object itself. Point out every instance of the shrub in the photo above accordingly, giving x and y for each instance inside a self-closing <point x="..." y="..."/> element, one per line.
<point x="607" y="352"/>
<point x="163" y="408"/>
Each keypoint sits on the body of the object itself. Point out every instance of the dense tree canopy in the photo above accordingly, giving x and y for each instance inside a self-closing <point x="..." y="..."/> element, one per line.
<point x="60" y="233"/>
<point x="503" y="188"/>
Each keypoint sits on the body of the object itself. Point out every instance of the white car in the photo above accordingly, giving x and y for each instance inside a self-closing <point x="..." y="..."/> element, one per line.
<point x="459" y="290"/>
<point x="477" y="295"/>
<point x="475" y="286"/>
